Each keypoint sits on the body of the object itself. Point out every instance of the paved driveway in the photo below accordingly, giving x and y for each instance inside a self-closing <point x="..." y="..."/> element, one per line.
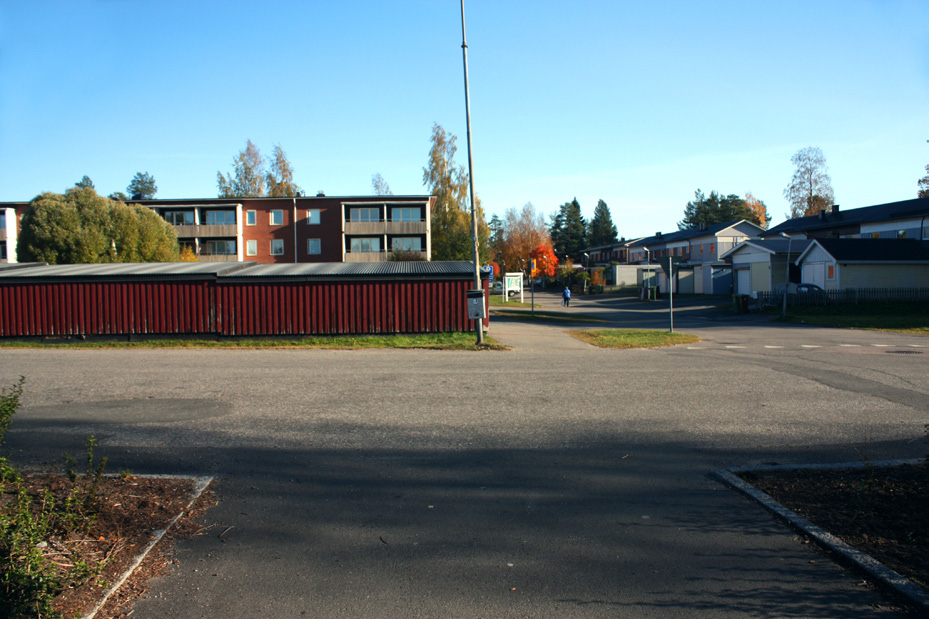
<point x="552" y="480"/>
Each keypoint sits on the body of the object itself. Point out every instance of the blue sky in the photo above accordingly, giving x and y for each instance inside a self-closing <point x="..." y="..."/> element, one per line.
<point x="636" y="103"/>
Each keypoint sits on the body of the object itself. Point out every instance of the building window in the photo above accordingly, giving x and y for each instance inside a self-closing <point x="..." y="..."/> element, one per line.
<point x="180" y="218"/>
<point x="277" y="247"/>
<point x="277" y="218"/>
<point x="3" y="250"/>
<point x="313" y="247"/>
<point x="2" y="220"/>
<point x="365" y="214"/>
<point x="220" y="218"/>
<point x="366" y="245"/>
<point x="219" y="248"/>
<point x="251" y="247"/>
<point x="875" y="235"/>
<point x="901" y="234"/>
<point x="830" y="271"/>
<point x="407" y="243"/>
<point x="404" y="213"/>
<point x="313" y="216"/>
<point x="251" y="218"/>
<point x="712" y="248"/>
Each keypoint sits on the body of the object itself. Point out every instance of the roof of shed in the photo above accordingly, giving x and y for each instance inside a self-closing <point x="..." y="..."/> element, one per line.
<point x="356" y="270"/>
<point x="778" y="246"/>
<point x="125" y="269"/>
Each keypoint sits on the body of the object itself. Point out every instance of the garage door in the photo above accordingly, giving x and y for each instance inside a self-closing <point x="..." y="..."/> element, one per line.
<point x="814" y="273"/>
<point x="743" y="281"/>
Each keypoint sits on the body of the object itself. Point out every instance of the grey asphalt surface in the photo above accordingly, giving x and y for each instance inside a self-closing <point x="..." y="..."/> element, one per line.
<point x="552" y="480"/>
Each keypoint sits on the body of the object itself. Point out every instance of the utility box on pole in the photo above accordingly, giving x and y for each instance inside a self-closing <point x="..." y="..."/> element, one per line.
<point x="476" y="304"/>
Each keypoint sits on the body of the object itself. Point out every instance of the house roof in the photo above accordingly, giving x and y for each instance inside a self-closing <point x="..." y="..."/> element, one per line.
<point x="690" y="233"/>
<point x="872" y="250"/>
<point x="907" y="209"/>
<point x="778" y="246"/>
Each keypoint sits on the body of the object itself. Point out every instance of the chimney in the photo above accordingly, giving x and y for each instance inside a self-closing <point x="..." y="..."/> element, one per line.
<point x="822" y="214"/>
<point x="835" y="209"/>
<point x="658" y="235"/>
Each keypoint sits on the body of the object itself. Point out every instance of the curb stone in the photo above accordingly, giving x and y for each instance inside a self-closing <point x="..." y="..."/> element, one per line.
<point x="200" y="484"/>
<point x="877" y="570"/>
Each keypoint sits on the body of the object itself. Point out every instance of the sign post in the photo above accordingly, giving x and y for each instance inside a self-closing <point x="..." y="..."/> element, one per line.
<point x="671" y="267"/>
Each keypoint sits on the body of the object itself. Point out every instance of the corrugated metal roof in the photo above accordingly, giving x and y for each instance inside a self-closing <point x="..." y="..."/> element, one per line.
<point x="356" y="269"/>
<point x="126" y="269"/>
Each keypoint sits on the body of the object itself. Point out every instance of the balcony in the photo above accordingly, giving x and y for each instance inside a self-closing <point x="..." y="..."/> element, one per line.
<point x="191" y="231"/>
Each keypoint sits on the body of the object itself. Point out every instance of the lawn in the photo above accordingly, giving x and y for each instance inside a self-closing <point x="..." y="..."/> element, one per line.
<point x="633" y="338"/>
<point x="899" y="317"/>
<point x="431" y="341"/>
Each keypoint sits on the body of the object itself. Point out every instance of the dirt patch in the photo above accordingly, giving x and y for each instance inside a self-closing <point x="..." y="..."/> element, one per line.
<point x="126" y="514"/>
<point x="881" y="511"/>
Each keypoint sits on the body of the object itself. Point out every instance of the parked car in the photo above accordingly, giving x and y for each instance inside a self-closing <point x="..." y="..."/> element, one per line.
<point x="497" y="287"/>
<point x="807" y="288"/>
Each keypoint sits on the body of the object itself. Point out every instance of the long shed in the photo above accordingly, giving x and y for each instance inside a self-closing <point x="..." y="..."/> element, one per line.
<point x="234" y="299"/>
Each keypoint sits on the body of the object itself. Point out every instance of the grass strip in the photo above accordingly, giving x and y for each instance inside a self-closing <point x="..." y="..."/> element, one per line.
<point x="897" y="317"/>
<point x="633" y="338"/>
<point x="544" y="316"/>
<point x="431" y="341"/>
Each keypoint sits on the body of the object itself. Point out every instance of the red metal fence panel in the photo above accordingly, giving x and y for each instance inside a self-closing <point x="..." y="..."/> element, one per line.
<point x="106" y="308"/>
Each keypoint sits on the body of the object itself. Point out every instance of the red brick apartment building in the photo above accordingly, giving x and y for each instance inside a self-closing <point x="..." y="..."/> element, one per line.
<point x="282" y="230"/>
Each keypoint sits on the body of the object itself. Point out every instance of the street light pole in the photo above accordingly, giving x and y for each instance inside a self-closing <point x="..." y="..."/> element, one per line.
<point x="786" y="274"/>
<point x="474" y="240"/>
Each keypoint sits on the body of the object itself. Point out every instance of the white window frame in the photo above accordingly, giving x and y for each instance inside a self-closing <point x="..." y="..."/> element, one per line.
<point x="280" y="244"/>
<point x="313" y="216"/>
<point x="277" y="223"/>
<point x="251" y="247"/>
<point x="251" y="218"/>
<point x="309" y="247"/>
<point x="357" y="210"/>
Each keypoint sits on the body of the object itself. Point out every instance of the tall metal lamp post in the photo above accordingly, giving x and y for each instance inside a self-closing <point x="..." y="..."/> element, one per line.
<point x="474" y="240"/>
<point x="786" y="274"/>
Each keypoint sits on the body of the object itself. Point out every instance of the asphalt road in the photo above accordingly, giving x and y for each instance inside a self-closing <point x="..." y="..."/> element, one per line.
<point x="552" y="480"/>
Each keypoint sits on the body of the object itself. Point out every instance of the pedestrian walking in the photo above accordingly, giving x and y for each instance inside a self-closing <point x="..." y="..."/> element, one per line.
<point x="566" y="297"/>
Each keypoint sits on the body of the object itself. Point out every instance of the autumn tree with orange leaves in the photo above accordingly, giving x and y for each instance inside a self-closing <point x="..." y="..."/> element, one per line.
<point x="546" y="263"/>
<point x="520" y="234"/>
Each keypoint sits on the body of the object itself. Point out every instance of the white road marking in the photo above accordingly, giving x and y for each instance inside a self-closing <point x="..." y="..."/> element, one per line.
<point x="916" y="345"/>
<point x="809" y="346"/>
<point x="736" y="347"/>
<point x="850" y="345"/>
<point x="773" y="346"/>
<point x="881" y="345"/>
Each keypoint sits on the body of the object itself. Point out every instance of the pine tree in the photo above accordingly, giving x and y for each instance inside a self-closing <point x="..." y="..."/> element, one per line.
<point x="601" y="230"/>
<point x="569" y="230"/>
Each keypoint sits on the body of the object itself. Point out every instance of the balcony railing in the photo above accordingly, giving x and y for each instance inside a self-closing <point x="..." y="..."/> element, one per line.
<point x="217" y="257"/>
<point x="385" y="227"/>
<point x="190" y="231"/>
<point x="376" y="256"/>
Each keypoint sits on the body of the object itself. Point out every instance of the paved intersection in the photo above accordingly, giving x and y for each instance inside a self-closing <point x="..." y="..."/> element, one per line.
<point x="552" y="480"/>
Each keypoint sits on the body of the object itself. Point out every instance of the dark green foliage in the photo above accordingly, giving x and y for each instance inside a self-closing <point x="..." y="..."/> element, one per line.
<point x="84" y="183"/>
<point x="601" y="230"/>
<point x="569" y="231"/>
<point x="29" y="580"/>
<point x="924" y="185"/>
<point x="714" y="209"/>
<point x="81" y="227"/>
<point x="142" y="186"/>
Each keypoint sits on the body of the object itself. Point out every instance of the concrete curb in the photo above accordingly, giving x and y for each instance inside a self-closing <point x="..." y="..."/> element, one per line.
<point x="200" y="484"/>
<point x="877" y="570"/>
